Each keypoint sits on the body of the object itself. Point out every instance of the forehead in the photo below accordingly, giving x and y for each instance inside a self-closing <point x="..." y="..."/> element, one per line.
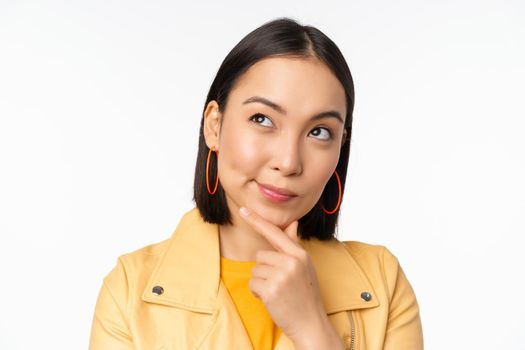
<point x="298" y="84"/>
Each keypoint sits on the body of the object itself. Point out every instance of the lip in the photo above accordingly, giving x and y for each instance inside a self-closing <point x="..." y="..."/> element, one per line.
<point x="276" y="194"/>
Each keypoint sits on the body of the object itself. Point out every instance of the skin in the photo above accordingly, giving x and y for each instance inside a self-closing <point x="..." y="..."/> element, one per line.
<point x="285" y="150"/>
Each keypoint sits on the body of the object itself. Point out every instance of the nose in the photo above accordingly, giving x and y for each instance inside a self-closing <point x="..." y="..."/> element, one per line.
<point x="287" y="156"/>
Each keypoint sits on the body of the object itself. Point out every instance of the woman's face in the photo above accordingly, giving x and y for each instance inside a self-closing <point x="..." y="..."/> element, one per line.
<point x="277" y="142"/>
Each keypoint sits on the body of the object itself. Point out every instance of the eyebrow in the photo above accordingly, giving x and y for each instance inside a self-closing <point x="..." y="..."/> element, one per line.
<point x="280" y="109"/>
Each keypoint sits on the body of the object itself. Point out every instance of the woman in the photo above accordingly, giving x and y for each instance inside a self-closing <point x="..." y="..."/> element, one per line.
<point x="256" y="264"/>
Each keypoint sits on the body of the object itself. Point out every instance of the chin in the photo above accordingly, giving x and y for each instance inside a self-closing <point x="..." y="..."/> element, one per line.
<point x="275" y="215"/>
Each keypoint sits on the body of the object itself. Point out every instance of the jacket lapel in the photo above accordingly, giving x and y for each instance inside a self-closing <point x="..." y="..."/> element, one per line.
<point x="189" y="272"/>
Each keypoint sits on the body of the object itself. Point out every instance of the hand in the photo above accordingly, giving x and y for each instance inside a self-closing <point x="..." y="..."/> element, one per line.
<point x="285" y="280"/>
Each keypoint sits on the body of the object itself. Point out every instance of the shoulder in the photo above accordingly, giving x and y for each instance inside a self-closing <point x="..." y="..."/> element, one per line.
<point x="371" y="253"/>
<point x="143" y="257"/>
<point x="133" y="268"/>
<point x="382" y="268"/>
<point x="120" y="287"/>
<point x="377" y="262"/>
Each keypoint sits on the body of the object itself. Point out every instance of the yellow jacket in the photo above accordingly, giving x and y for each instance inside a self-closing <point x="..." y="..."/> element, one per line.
<point x="169" y="295"/>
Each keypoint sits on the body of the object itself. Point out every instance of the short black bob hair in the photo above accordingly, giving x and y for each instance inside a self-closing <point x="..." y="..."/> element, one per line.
<point x="280" y="37"/>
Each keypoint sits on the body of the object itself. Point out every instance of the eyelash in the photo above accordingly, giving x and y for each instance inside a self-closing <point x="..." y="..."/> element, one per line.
<point x="262" y="115"/>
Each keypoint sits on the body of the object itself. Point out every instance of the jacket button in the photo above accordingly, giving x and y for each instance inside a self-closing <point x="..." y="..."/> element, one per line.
<point x="157" y="290"/>
<point x="366" y="296"/>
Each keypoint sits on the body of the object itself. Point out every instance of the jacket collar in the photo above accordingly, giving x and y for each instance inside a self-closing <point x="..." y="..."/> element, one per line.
<point x="189" y="270"/>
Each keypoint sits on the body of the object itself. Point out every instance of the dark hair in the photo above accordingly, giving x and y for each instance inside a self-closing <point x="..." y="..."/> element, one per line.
<point x="279" y="37"/>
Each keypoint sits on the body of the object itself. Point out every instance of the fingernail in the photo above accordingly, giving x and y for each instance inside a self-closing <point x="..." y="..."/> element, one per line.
<point x="244" y="211"/>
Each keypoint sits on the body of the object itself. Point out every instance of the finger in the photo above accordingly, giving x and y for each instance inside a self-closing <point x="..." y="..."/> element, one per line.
<point x="291" y="231"/>
<point x="256" y="286"/>
<point x="271" y="257"/>
<point x="274" y="235"/>
<point x="264" y="271"/>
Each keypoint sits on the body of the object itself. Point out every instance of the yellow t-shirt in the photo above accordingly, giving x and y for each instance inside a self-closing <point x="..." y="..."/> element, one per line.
<point x="263" y="332"/>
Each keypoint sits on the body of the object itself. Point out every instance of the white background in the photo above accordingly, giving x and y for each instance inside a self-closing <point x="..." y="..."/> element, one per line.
<point x="100" y="103"/>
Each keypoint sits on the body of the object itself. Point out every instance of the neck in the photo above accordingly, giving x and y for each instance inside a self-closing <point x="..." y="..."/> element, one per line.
<point x="240" y="241"/>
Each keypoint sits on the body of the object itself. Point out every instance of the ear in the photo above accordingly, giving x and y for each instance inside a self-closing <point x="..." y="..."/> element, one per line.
<point x="344" y="137"/>
<point x="212" y="124"/>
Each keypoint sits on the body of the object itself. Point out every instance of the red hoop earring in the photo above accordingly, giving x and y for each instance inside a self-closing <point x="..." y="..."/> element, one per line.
<point x="338" y="198"/>
<point x="207" y="166"/>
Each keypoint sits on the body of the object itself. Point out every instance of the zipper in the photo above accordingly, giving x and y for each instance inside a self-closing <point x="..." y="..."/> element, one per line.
<point x="352" y="330"/>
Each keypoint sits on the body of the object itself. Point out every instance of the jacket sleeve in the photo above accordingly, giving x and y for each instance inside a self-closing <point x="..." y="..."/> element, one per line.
<point x="110" y="326"/>
<point x="404" y="330"/>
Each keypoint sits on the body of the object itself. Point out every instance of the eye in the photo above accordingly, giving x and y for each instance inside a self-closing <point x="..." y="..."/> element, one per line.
<point x="259" y="117"/>
<point x="328" y="132"/>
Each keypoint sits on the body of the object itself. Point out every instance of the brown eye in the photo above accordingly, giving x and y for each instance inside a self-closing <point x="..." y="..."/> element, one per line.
<point x="259" y="118"/>
<point x="328" y="131"/>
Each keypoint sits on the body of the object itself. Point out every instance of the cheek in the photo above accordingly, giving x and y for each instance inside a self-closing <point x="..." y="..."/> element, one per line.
<point x="320" y="175"/>
<point x="244" y="149"/>
<point x="240" y="156"/>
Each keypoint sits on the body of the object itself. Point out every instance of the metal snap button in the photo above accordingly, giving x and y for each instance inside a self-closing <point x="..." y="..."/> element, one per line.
<point x="157" y="290"/>
<point x="366" y="296"/>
